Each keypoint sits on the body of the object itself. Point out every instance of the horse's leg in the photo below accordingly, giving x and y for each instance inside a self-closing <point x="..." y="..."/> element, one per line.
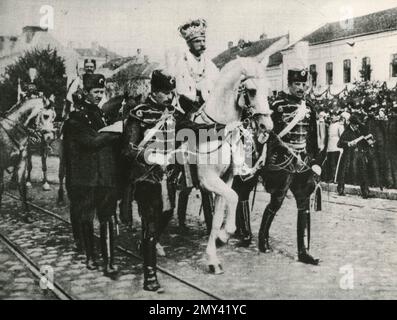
<point x="1" y="184"/>
<point x="182" y="207"/>
<point x="22" y="187"/>
<point x="224" y="195"/>
<point x="208" y="208"/>
<point x="61" y="176"/>
<point x="44" y="156"/>
<point x="29" y="168"/>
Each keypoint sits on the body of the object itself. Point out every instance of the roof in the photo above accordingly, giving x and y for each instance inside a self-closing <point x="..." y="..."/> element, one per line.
<point x="251" y="49"/>
<point x="101" y="52"/>
<point x="116" y="63"/>
<point x="41" y="40"/>
<point x="376" y="22"/>
<point x="138" y="71"/>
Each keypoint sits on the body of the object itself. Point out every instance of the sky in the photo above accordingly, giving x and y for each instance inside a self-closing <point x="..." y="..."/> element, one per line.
<point x="125" y="25"/>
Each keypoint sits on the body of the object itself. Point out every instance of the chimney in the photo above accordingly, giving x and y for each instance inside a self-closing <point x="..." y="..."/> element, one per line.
<point x="263" y="36"/>
<point x="95" y="47"/>
<point x="230" y="44"/>
<point x="241" y="43"/>
<point x="29" y="31"/>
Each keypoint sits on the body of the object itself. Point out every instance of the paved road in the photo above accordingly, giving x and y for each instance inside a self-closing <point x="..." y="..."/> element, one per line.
<point x="355" y="239"/>
<point x="16" y="280"/>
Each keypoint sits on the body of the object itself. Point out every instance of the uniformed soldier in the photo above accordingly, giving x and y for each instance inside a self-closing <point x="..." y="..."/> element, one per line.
<point x="290" y="163"/>
<point x="75" y="87"/>
<point x="148" y="176"/>
<point x="91" y="173"/>
<point x="154" y="182"/>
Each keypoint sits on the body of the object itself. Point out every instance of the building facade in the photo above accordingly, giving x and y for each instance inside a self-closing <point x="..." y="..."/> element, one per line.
<point x="341" y="53"/>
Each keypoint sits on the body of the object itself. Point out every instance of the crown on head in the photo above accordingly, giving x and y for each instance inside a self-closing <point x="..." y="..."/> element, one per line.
<point x="193" y="29"/>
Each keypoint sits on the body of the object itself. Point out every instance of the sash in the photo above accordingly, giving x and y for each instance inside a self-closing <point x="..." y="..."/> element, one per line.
<point x="300" y="115"/>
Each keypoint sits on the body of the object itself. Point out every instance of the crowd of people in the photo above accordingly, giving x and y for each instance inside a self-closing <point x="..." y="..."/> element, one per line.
<point x="373" y="108"/>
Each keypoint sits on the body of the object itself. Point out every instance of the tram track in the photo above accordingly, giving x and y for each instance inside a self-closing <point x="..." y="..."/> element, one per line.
<point x="59" y="292"/>
<point x="125" y="251"/>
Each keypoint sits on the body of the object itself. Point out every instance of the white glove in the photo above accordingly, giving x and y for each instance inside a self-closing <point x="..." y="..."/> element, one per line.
<point x="316" y="169"/>
<point x="116" y="127"/>
<point x="157" y="158"/>
<point x="231" y="126"/>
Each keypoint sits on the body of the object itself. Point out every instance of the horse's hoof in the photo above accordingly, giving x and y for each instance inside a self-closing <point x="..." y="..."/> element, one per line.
<point x="215" y="268"/>
<point x="46" y="187"/>
<point x="222" y="239"/>
<point x="60" y="203"/>
<point x="160" y="250"/>
<point x="219" y="243"/>
<point x="27" y="218"/>
<point x="28" y="184"/>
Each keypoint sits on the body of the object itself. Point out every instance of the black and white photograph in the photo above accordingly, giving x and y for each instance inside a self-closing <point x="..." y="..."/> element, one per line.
<point x="198" y="150"/>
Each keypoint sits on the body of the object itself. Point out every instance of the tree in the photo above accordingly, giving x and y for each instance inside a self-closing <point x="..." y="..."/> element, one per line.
<point x="50" y="77"/>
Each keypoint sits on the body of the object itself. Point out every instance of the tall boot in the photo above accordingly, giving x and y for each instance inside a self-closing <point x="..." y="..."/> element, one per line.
<point x="88" y="236"/>
<point x="107" y="249"/>
<point x="243" y="211"/>
<point x="303" y="239"/>
<point x="126" y="206"/>
<point x="182" y="207"/>
<point x="149" y="265"/>
<point x="208" y="209"/>
<point x="263" y="236"/>
<point x="76" y="228"/>
<point x="341" y="189"/>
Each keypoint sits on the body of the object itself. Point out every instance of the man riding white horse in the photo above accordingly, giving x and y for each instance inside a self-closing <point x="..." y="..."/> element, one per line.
<point x="195" y="76"/>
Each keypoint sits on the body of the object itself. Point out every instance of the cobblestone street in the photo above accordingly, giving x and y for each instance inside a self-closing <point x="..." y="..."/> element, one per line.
<point x="356" y="240"/>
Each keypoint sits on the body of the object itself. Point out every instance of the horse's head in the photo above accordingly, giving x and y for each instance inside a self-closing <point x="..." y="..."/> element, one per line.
<point x="252" y="98"/>
<point x="45" y="124"/>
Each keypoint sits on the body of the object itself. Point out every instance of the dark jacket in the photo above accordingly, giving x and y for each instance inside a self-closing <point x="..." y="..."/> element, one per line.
<point x="90" y="157"/>
<point x="277" y="154"/>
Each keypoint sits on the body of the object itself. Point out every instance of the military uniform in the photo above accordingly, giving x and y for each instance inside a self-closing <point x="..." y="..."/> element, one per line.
<point x="151" y="180"/>
<point x="195" y="78"/>
<point x="92" y="176"/>
<point x="288" y="164"/>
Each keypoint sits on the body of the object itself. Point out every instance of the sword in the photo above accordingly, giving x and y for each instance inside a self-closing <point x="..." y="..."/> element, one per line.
<point x="253" y="198"/>
<point x="337" y="166"/>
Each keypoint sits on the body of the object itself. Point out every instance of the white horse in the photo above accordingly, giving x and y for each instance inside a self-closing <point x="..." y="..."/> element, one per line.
<point x="14" y="137"/>
<point x="225" y="106"/>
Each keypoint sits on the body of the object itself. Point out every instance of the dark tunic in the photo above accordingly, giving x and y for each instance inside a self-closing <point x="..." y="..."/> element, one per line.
<point x="90" y="157"/>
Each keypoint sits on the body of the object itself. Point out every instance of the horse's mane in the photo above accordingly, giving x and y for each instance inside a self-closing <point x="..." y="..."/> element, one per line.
<point x="17" y="106"/>
<point x="225" y="88"/>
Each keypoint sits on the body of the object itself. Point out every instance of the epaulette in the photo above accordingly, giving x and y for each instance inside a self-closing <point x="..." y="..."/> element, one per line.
<point x="145" y="113"/>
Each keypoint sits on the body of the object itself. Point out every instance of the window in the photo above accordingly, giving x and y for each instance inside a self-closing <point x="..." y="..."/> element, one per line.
<point x="346" y="71"/>
<point x="393" y="65"/>
<point x="313" y="74"/>
<point x="329" y="73"/>
<point x="366" y="69"/>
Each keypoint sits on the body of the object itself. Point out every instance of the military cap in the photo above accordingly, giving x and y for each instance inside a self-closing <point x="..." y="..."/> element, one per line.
<point x="91" y="81"/>
<point x="162" y="81"/>
<point x="296" y="75"/>
<point x="93" y="61"/>
<point x="355" y="120"/>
